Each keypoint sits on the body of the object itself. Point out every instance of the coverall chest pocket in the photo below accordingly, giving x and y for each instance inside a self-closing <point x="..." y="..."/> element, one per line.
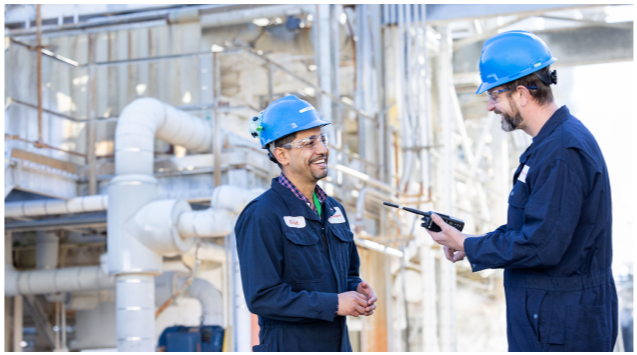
<point x="342" y="248"/>
<point x="518" y="198"/>
<point x="303" y="256"/>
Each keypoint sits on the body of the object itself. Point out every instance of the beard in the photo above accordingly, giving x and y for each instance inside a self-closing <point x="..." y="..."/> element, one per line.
<point x="320" y="174"/>
<point x="512" y="122"/>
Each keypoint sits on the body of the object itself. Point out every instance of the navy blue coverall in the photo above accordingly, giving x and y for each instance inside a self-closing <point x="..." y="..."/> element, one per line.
<point x="293" y="266"/>
<point x="556" y="247"/>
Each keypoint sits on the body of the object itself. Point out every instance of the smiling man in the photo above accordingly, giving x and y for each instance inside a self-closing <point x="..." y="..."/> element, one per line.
<point x="299" y="263"/>
<point x="556" y="248"/>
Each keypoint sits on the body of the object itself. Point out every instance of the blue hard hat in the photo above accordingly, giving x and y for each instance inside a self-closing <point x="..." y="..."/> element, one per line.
<point x="512" y="55"/>
<point x="282" y="117"/>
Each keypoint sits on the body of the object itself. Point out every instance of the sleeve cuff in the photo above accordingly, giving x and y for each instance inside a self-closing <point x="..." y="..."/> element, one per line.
<point x="354" y="284"/>
<point x="328" y="303"/>
<point x="469" y="248"/>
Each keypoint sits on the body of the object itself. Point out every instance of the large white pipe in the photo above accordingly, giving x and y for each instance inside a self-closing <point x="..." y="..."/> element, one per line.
<point x="47" y="249"/>
<point x="212" y="222"/>
<point x="135" y="314"/>
<point x="51" y="207"/>
<point x="37" y="282"/>
<point x="132" y="228"/>
<point x="218" y="220"/>
<point x="233" y="198"/>
<point x="207" y="251"/>
<point x="210" y="298"/>
<point x="147" y="118"/>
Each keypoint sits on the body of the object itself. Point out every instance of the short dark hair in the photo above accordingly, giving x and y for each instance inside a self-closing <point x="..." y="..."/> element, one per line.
<point x="543" y="94"/>
<point x="281" y="142"/>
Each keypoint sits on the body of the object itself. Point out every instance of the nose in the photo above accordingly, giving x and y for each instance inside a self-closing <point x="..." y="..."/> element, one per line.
<point x="320" y="148"/>
<point x="490" y="105"/>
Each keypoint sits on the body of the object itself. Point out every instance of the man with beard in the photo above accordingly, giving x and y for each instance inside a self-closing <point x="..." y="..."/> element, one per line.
<point x="299" y="263"/>
<point x="556" y="248"/>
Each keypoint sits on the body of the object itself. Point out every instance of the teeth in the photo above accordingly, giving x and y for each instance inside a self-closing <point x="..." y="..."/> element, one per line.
<point x="319" y="161"/>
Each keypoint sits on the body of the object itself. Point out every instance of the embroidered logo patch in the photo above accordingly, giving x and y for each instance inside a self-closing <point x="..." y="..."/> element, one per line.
<point x="525" y="171"/>
<point x="294" y="222"/>
<point x="337" y="217"/>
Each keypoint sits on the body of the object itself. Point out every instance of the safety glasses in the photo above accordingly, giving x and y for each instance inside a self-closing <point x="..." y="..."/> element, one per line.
<point x="308" y="143"/>
<point x="493" y="95"/>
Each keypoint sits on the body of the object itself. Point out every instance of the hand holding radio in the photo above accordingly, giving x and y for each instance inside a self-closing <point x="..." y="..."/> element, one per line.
<point x="445" y="230"/>
<point x="448" y="235"/>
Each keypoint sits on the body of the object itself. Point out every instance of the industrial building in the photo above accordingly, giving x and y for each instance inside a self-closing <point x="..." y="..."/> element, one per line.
<point x="128" y="159"/>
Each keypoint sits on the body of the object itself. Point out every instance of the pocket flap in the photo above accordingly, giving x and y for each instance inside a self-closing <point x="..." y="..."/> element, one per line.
<point x="301" y="238"/>
<point x="519" y="195"/>
<point x="344" y="234"/>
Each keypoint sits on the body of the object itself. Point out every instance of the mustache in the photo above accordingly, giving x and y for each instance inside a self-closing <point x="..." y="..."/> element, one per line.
<point x="322" y="156"/>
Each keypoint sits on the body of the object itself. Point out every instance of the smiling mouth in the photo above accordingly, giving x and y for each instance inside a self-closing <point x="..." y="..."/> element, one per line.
<point x="320" y="162"/>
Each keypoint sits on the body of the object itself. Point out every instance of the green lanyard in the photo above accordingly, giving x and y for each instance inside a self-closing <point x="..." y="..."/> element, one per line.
<point x="317" y="204"/>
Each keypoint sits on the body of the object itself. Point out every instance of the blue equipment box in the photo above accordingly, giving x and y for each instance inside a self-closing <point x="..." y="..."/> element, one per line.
<point x="207" y="338"/>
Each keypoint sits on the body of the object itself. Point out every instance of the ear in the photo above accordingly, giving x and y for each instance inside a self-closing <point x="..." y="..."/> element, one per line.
<point x="282" y="155"/>
<point x="523" y="96"/>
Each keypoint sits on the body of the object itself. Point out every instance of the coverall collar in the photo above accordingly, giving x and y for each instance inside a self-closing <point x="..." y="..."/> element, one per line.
<point x="558" y="117"/>
<point x="295" y="204"/>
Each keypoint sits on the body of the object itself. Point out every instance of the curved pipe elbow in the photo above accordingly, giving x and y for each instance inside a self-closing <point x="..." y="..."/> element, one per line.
<point x="146" y="118"/>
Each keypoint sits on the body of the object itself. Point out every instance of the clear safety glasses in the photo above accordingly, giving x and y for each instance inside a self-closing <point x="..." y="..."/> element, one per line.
<point x="493" y="95"/>
<point x="308" y="143"/>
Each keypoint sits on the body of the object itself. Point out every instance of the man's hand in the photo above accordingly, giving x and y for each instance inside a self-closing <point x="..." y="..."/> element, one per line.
<point x="365" y="289"/>
<point x="453" y="255"/>
<point x="351" y="303"/>
<point x="449" y="236"/>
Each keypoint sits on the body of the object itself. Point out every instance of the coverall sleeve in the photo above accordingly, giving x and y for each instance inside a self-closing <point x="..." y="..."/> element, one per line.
<point x="353" y="273"/>
<point x="260" y="249"/>
<point x="550" y="216"/>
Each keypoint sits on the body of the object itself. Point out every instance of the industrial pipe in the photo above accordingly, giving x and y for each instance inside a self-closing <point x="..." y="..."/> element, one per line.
<point x="210" y="298"/>
<point x="211" y="222"/>
<point x="45" y="281"/>
<point x="233" y="198"/>
<point x="218" y="220"/>
<point x="144" y="119"/>
<point x="207" y="251"/>
<point x="35" y="208"/>
<point x="47" y="249"/>
<point x="136" y="236"/>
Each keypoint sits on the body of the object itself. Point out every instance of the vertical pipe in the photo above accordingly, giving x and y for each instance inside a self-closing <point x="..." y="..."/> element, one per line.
<point x="324" y="67"/>
<point x="335" y="35"/>
<point x="405" y="124"/>
<point x="378" y="44"/>
<point x="135" y="314"/>
<point x="429" y="315"/>
<point x="17" y="300"/>
<point x="216" y="141"/>
<point x="388" y="304"/>
<point x="403" y="273"/>
<point x="39" y="57"/>
<point x="270" y="84"/>
<point x="47" y="250"/>
<point x="317" y="52"/>
<point x="226" y="284"/>
<point x="57" y="325"/>
<point x="90" y="127"/>
<point x="426" y="80"/>
<point x="63" y="327"/>
<point x="17" y="324"/>
<point x="447" y="270"/>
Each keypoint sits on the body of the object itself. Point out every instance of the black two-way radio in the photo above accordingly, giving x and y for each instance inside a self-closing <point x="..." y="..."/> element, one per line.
<point x="428" y="222"/>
